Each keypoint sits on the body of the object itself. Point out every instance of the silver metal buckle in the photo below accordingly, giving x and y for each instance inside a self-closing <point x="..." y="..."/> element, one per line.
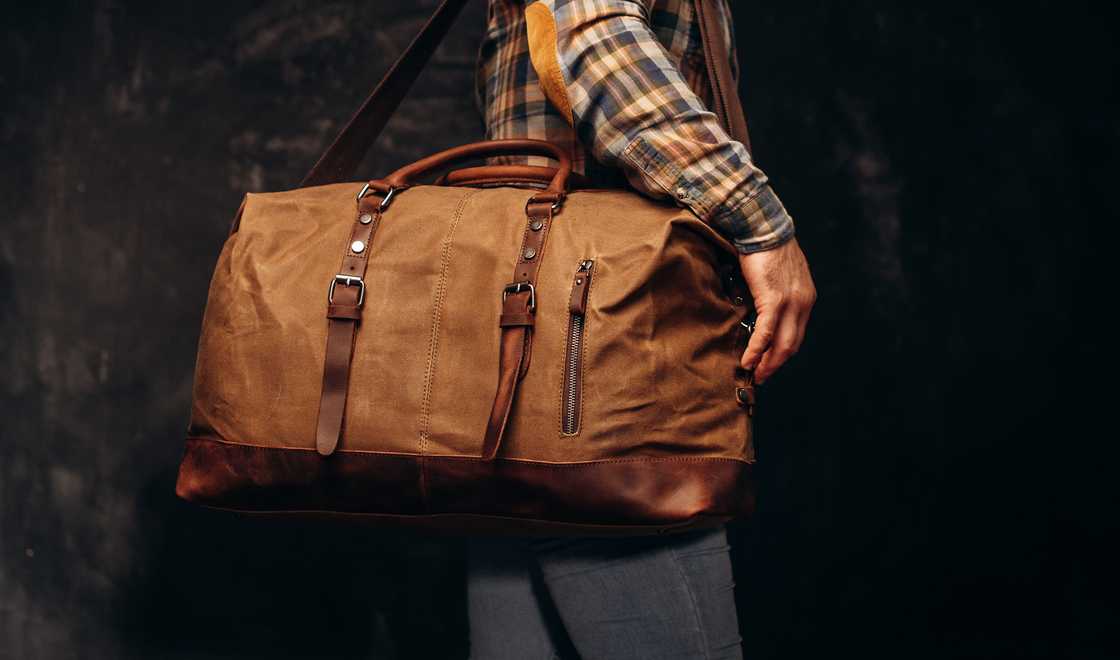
<point x="384" y="202"/>
<point x="518" y="287"/>
<point x="347" y="280"/>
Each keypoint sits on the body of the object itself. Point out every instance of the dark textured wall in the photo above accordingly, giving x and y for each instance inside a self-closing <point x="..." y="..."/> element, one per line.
<point x="933" y="476"/>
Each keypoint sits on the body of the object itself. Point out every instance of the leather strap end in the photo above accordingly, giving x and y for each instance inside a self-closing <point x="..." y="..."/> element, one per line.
<point x="326" y="447"/>
<point x="336" y="377"/>
<point x="509" y="373"/>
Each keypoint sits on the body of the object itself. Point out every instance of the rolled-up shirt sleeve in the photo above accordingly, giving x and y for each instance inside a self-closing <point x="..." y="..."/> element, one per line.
<point x="602" y="67"/>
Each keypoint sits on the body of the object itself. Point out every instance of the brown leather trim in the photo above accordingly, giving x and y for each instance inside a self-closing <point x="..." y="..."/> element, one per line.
<point x="341" y="159"/>
<point x="344" y="312"/>
<point x="610" y="496"/>
<point x="516" y="320"/>
<point x="236" y="223"/>
<point x="571" y="398"/>
<point x="728" y="106"/>
<point x="475" y="525"/>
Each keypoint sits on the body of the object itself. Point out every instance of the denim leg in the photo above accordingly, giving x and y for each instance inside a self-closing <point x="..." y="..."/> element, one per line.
<point x="505" y="603"/>
<point x="649" y="597"/>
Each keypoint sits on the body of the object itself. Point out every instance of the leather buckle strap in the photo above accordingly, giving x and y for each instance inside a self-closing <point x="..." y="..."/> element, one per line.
<point x="517" y="318"/>
<point x="346" y="295"/>
<point x="348" y="280"/>
<point x="518" y="311"/>
<point x="518" y="287"/>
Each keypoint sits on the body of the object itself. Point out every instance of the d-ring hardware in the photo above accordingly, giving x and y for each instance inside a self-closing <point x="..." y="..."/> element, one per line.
<point x="555" y="205"/>
<point x="748" y="323"/>
<point x="384" y="202"/>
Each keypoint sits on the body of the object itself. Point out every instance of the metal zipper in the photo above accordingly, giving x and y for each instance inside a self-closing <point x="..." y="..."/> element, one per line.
<point x="573" y="356"/>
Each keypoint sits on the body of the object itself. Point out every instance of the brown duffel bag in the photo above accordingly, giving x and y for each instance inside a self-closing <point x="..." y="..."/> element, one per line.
<point x="495" y="352"/>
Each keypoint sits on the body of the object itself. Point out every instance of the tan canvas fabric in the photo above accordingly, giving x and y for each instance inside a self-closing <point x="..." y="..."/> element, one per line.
<point x="660" y="334"/>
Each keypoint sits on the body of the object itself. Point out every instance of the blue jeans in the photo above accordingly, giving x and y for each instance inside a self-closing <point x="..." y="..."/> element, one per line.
<point x="603" y="598"/>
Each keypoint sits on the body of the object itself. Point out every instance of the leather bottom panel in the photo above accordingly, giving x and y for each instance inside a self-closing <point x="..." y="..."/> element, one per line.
<point x="465" y="524"/>
<point x="465" y="494"/>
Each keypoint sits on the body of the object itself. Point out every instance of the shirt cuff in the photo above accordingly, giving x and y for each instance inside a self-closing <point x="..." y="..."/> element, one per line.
<point x="749" y="214"/>
<point x="760" y="223"/>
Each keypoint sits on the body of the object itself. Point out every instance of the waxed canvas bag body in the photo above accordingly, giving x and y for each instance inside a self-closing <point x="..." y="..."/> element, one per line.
<point x="496" y="351"/>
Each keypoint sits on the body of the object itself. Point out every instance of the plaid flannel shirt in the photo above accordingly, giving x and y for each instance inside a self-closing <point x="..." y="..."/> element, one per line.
<point x="624" y="82"/>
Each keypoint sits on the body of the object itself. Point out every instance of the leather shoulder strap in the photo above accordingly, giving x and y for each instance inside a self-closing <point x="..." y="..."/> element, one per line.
<point x="729" y="108"/>
<point x="344" y="155"/>
<point x="342" y="158"/>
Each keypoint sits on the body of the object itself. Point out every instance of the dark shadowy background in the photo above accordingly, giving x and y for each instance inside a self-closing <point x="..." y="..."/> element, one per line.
<point x="935" y="479"/>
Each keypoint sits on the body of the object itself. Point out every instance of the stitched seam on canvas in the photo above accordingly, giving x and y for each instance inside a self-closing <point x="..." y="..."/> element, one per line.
<point x="437" y="313"/>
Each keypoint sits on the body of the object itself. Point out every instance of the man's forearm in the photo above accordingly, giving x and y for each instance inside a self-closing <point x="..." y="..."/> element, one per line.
<point x="600" y="62"/>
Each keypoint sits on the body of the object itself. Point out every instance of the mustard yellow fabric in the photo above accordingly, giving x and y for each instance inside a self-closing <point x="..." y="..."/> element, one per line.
<point x="541" y="26"/>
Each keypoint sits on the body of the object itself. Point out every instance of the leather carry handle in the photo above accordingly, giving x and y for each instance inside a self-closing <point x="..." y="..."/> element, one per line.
<point x="405" y="176"/>
<point x="342" y="158"/>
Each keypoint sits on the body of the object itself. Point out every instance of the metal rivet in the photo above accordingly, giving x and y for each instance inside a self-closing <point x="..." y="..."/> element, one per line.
<point x="357" y="246"/>
<point x="682" y="194"/>
<point x="536" y="225"/>
<point x="365" y="218"/>
<point x="529" y="253"/>
<point x="579" y="280"/>
<point x="744" y="399"/>
<point x="738" y="300"/>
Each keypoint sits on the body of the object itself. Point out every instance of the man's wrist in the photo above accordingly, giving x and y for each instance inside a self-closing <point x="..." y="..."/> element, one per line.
<point x="759" y="223"/>
<point x="769" y="243"/>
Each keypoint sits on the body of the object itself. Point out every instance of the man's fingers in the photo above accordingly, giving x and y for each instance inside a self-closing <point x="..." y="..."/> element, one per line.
<point x="786" y="342"/>
<point x="761" y="338"/>
<point x="782" y="287"/>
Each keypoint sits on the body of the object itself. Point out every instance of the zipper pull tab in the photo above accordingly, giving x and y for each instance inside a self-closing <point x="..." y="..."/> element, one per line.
<point x="578" y="302"/>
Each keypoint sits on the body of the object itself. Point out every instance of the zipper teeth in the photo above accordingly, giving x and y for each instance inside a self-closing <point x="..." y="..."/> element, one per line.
<point x="575" y="348"/>
<point x="575" y="340"/>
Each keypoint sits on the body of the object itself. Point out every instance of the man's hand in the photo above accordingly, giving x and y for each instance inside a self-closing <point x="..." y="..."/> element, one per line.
<point x="784" y="294"/>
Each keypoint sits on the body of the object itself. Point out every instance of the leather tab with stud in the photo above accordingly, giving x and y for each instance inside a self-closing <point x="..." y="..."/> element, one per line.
<point x="744" y="396"/>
